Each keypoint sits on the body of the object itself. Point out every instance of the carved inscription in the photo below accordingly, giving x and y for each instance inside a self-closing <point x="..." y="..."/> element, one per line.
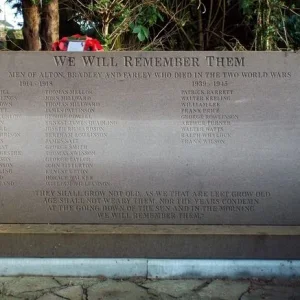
<point x="69" y="119"/>
<point x="9" y="152"/>
<point x="149" y="138"/>
<point x="157" y="205"/>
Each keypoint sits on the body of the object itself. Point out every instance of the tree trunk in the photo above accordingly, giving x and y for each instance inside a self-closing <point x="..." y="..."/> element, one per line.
<point x="49" y="23"/>
<point x="31" y="16"/>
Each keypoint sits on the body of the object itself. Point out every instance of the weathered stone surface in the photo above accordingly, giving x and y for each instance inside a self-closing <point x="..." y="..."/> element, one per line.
<point x="29" y="284"/>
<point x="3" y="280"/>
<point x="116" y="290"/>
<point x="150" y="138"/>
<point x="3" y="297"/>
<point x="72" y="293"/>
<point x="127" y="290"/>
<point x="7" y="279"/>
<point x="84" y="282"/>
<point x="273" y="293"/>
<point x="50" y="296"/>
<point x="190" y="296"/>
<point x="164" y="297"/>
<point x="31" y="295"/>
<point x="174" y="288"/>
<point x="224" y="290"/>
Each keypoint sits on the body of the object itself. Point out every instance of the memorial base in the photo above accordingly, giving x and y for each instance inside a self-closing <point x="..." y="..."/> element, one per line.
<point x="150" y="241"/>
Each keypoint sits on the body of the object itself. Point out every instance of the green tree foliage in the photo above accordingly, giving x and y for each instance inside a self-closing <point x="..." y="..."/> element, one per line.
<point x="184" y="24"/>
<point x="275" y="23"/>
<point x="119" y="23"/>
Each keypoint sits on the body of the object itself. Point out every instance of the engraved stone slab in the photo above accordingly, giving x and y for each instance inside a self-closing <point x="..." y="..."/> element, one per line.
<point x="150" y="138"/>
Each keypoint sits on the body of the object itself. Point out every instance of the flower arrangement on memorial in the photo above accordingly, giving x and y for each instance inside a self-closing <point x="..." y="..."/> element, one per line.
<point x="90" y="44"/>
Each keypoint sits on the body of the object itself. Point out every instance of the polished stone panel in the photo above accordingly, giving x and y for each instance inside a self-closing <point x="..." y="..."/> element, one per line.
<point x="150" y="138"/>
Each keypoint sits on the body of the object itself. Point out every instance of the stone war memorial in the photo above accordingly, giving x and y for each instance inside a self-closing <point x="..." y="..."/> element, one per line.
<point x="150" y="154"/>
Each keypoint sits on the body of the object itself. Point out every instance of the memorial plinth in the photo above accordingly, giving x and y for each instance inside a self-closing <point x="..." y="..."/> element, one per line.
<point x="149" y="140"/>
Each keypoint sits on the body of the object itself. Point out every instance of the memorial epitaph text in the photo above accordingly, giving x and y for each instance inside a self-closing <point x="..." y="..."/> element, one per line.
<point x="150" y="138"/>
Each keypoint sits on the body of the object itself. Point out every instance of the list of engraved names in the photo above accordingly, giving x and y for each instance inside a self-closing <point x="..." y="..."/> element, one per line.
<point x="142" y="138"/>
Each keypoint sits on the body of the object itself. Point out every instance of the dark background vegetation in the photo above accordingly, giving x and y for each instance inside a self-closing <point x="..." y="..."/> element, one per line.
<point x="167" y="25"/>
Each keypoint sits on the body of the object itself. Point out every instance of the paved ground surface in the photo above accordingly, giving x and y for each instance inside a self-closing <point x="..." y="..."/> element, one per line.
<point x="74" y="288"/>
